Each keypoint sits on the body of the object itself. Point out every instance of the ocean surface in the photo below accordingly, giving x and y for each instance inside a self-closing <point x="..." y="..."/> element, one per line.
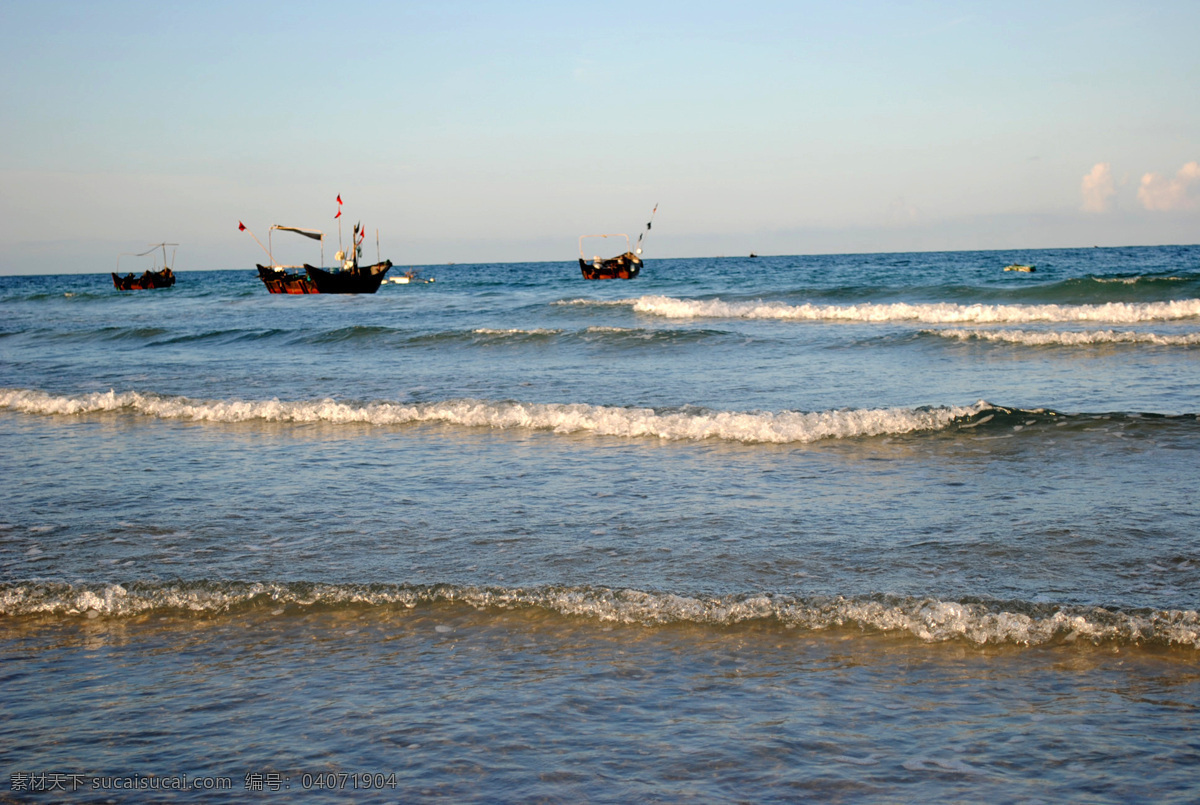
<point x="854" y="528"/>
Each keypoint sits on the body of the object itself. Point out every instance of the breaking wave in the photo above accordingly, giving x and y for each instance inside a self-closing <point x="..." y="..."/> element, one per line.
<point x="1069" y="338"/>
<point x="929" y="313"/>
<point x="681" y="424"/>
<point x="927" y="619"/>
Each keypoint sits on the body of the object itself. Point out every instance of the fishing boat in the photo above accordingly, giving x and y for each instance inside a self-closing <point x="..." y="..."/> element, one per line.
<point x="1019" y="267"/>
<point x="279" y="279"/>
<point x="624" y="266"/>
<point x="157" y="278"/>
<point x="348" y="276"/>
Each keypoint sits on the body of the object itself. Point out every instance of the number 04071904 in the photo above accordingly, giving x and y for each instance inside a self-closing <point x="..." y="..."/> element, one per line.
<point x="341" y="780"/>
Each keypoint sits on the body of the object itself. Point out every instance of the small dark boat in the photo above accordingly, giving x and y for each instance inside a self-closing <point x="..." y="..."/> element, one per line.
<point x="625" y="266"/>
<point x="148" y="280"/>
<point x="622" y="267"/>
<point x="348" y="277"/>
<point x="161" y="278"/>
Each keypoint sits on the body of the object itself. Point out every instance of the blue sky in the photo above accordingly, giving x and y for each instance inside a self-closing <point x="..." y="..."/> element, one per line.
<point x="481" y="132"/>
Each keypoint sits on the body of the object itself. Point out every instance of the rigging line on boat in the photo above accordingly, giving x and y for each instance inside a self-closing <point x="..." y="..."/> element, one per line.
<point x="154" y="247"/>
<point x="244" y="228"/>
<point x="648" y="223"/>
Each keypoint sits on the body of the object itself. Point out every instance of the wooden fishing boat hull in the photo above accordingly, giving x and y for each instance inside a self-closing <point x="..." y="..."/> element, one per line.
<point x="278" y="281"/>
<point x="623" y="267"/>
<point x="148" y="281"/>
<point x="361" y="279"/>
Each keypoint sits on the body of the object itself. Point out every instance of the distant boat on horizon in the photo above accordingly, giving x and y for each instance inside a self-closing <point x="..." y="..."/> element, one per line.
<point x="150" y="279"/>
<point x="625" y="266"/>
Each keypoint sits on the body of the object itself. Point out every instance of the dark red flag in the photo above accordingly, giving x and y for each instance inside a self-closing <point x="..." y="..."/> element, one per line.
<point x="339" y="215"/>
<point x="241" y="227"/>
<point x="339" y="198"/>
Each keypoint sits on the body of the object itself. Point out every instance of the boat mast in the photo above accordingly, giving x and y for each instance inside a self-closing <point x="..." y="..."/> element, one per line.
<point x="341" y="250"/>
<point x="164" y="250"/>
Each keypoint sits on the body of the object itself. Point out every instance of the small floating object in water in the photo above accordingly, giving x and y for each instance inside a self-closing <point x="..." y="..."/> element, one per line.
<point x="1019" y="267"/>
<point x="408" y="277"/>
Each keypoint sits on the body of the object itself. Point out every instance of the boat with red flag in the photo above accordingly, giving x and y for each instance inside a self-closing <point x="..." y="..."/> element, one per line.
<point x="349" y="275"/>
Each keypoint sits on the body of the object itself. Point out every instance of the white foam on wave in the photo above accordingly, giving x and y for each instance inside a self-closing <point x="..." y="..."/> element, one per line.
<point x="1070" y="338"/>
<point x="515" y="331"/>
<point x="930" y="313"/>
<point x="582" y="302"/>
<point x="567" y="418"/>
<point x="1136" y="280"/>
<point x="929" y="620"/>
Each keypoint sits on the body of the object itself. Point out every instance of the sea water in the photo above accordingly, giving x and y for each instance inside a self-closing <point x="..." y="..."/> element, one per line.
<point x="850" y="528"/>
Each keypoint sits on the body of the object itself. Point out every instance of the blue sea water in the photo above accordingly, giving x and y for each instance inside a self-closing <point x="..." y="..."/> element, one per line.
<point x="850" y="528"/>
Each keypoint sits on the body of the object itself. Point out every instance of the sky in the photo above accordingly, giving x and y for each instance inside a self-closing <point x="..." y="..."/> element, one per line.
<point x="474" y="132"/>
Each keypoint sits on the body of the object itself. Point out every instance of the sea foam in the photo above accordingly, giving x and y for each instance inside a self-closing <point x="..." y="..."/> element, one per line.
<point x="928" y="619"/>
<point x="682" y="424"/>
<point x="930" y="313"/>
<point x="1070" y="338"/>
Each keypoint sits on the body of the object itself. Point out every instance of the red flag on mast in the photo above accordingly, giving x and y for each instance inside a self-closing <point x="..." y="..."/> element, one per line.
<point x="339" y="198"/>
<point x="339" y="214"/>
<point x="241" y="227"/>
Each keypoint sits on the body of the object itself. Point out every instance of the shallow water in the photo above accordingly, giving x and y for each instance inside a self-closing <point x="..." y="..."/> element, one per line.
<point x="519" y="704"/>
<point x="846" y="528"/>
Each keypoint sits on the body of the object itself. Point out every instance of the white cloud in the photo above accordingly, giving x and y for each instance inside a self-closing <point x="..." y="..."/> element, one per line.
<point x="902" y="212"/>
<point x="1181" y="193"/>
<point x="1098" y="188"/>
